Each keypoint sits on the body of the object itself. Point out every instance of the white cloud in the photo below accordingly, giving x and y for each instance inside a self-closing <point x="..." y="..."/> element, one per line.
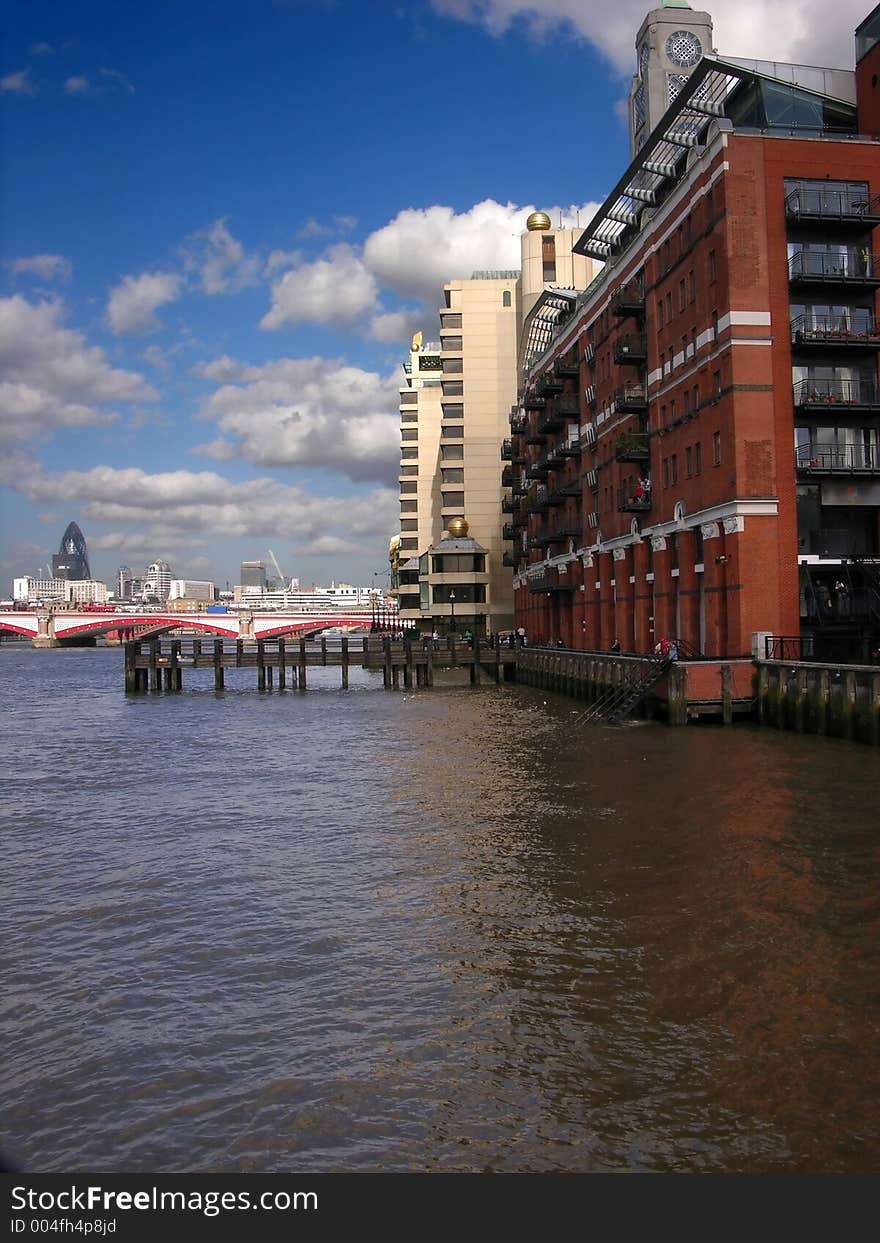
<point x="156" y="357"/>
<point x="133" y="302"/>
<point x="50" y="377"/>
<point x="422" y="248"/>
<point x="396" y="325"/>
<point x="335" y="289"/>
<point x="219" y="261"/>
<point x="47" y="267"/>
<point x="305" y="412"/>
<point x="787" y="30"/>
<point x="281" y="259"/>
<point x="179" y="506"/>
<point x="18" y="83"/>
<point x="77" y="86"/>
<point x="118" y="80"/>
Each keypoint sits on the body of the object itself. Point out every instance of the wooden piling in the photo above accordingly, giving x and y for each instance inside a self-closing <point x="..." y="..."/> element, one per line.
<point x="155" y="671"/>
<point x="218" y="665"/>
<point x="386" y="662"/>
<point x="345" y="662"/>
<point x="301" y="677"/>
<point x="282" y="665"/>
<point x="261" y="665"/>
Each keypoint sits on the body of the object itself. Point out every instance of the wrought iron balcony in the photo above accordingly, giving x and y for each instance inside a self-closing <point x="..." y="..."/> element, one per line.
<point x="556" y="497"/>
<point x="543" y="539"/>
<point x="854" y="328"/>
<point x="568" y="406"/>
<point x="573" y="488"/>
<point x="518" y="424"/>
<point x="532" y="401"/>
<point x="628" y="299"/>
<point x="551" y="420"/>
<point x="632" y="447"/>
<point x="547" y="584"/>
<point x="816" y="459"/>
<point x="839" y="204"/>
<point x="508" y="531"/>
<point x="552" y="383"/>
<point x="538" y="500"/>
<point x="571" y="448"/>
<point x="631" y="348"/>
<point x="538" y="470"/>
<point x="635" y="500"/>
<point x="819" y="395"/>
<point x="507" y="450"/>
<point x="512" y="559"/>
<point x="555" y="457"/>
<point x="853" y="266"/>
<point x="567" y="365"/>
<point x="509" y="505"/>
<point x="631" y="397"/>
<point x="536" y="438"/>
<point x="568" y="530"/>
<point x="507" y="477"/>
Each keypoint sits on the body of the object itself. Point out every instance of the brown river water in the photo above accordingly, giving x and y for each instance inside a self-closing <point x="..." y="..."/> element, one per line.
<point x="454" y="929"/>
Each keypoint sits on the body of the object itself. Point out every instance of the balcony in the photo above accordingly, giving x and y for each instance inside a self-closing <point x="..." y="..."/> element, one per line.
<point x="535" y="438"/>
<point x="631" y="348"/>
<point x="509" y="505"/>
<point x="816" y="396"/>
<point x="572" y="488"/>
<point x="507" y="477"/>
<point x="636" y="500"/>
<point x="853" y="267"/>
<point x="566" y="531"/>
<point x="632" y="397"/>
<point x="546" y="584"/>
<point x="511" y="559"/>
<point x="537" y="501"/>
<point x="540" y="541"/>
<point x="556" y="497"/>
<point x="838" y="205"/>
<point x="571" y="448"/>
<point x="538" y="470"/>
<point x="533" y="402"/>
<point x="628" y="299"/>
<point x="507" y="451"/>
<point x="816" y="459"/>
<point x="632" y="447"/>
<point x="551" y="420"/>
<point x="518" y="424"/>
<point x="551" y="383"/>
<point x="508" y="531"/>
<point x="555" y="457"/>
<point x="854" y="329"/>
<point x="568" y="406"/>
<point x="567" y="365"/>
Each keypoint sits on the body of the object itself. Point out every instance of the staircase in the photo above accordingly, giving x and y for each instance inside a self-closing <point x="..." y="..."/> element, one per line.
<point x="616" y="703"/>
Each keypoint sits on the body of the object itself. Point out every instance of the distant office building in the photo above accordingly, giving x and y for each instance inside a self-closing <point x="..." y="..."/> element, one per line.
<point x="253" y="576"/>
<point x="31" y="590"/>
<point x="190" y="589"/>
<point x="72" y="559"/>
<point x="86" y="591"/>
<point x="124" y="580"/>
<point x="157" y="581"/>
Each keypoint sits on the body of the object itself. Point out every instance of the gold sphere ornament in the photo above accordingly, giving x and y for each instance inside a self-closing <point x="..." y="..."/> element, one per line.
<point x="538" y="220"/>
<point x="458" y="528"/>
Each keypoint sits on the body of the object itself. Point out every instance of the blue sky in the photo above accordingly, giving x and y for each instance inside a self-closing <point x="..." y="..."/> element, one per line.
<point x="222" y="221"/>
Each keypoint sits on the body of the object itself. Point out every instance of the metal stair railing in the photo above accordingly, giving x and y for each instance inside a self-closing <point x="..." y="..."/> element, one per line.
<point x="869" y="573"/>
<point x="618" y="701"/>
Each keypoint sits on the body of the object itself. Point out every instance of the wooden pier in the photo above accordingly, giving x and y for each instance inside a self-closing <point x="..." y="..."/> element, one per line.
<point x="157" y="665"/>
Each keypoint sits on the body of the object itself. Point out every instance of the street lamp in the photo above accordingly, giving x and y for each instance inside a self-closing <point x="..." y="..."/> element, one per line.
<point x="452" y="622"/>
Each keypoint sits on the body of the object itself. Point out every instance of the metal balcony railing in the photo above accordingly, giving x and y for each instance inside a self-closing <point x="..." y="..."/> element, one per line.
<point x="847" y="460"/>
<point x="832" y="203"/>
<point x="632" y="447"/>
<point x="631" y="397"/>
<point x="852" y="265"/>
<point x="631" y="348"/>
<point x="822" y="393"/>
<point x="634" y="500"/>
<point x="855" y="326"/>
<point x="628" y="299"/>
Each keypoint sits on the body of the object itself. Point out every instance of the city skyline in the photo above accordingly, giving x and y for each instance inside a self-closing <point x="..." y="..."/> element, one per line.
<point x="223" y="232"/>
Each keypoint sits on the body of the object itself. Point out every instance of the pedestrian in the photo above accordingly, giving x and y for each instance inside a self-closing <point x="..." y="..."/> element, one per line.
<point x="615" y="646"/>
<point x="521" y="635"/>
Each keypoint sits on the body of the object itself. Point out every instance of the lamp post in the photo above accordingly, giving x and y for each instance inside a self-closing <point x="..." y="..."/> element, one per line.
<point x="452" y="621"/>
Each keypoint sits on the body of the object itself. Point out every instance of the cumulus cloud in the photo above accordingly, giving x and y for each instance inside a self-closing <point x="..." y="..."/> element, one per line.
<point x="218" y="261"/>
<point x="396" y="325"/>
<point x="133" y="302"/>
<point x="50" y="377"/>
<point x="335" y="289"/>
<point x="422" y="248"/>
<point x="281" y="259"/>
<point x="305" y="412"/>
<point x="788" y="30"/>
<point x="18" y="83"/>
<point x="79" y="85"/>
<point x="47" y="267"/>
<point x="175" y="506"/>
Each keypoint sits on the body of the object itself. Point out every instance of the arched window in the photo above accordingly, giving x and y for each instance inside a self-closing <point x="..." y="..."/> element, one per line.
<point x="505" y="298"/>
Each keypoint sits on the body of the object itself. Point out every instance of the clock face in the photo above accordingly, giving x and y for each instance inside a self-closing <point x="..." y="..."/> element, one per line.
<point x="683" y="48"/>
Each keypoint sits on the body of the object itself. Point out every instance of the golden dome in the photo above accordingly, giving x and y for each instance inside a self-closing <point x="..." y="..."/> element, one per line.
<point x="394" y="543"/>
<point x="538" y="220"/>
<point x="458" y="528"/>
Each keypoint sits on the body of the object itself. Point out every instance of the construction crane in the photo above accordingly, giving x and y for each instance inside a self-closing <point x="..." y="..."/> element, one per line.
<point x="282" y="581"/>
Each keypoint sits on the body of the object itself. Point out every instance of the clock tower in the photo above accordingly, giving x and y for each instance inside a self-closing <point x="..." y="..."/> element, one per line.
<point x="669" y="44"/>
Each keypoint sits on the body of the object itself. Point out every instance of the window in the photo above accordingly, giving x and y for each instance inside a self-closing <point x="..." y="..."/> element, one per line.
<point x="453" y="366"/>
<point x="716" y="447"/>
<point x="450" y="321"/>
<point x="453" y="388"/>
<point x="448" y="452"/>
<point x="452" y="498"/>
<point x="713" y="268"/>
<point x="687" y="405"/>
<point x="659" y="314"/>
<point x="716" y="383"/>
<point x="409" y="433"/>
<point x="666" y="255"/>
<point x="408" y="507"/>
<point x="408" y="488"/>
<point x="409" y="524"/>
<point x="682" y="295"/>
<point x="698" y="545"/>
<point x="454" y="475"/>
<point x="669" y="308"/>
<point x="696" y="398"/>
<point x="673" y="468"/>
<point x="451" y="431"/>
<point x="452" y="410"/>
<point x="689" y="461"/>
<point x="710" y="206"/>
<point x="458" y="563"/>
<point x="409" y="453"/>
<point x="505" y="298"/>
<point x="666" y="472"/>
<point x="698" y="458"/>
<point x="687" y="231"/>
<point x="692" y="286"/>
<point x="714" y="325"/>
<point x="672" y="412"/>
<point x="450" y="343"/>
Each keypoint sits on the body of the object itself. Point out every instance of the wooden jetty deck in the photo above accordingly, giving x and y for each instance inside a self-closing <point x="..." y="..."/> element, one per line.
<point x="158" y="664"/>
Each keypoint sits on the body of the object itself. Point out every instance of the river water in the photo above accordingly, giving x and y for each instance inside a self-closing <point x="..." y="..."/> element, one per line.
<point x="452" y="929"/>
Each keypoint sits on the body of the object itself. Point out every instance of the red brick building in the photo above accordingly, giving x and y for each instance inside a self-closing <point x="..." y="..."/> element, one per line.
<point x="696" y="452"/>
